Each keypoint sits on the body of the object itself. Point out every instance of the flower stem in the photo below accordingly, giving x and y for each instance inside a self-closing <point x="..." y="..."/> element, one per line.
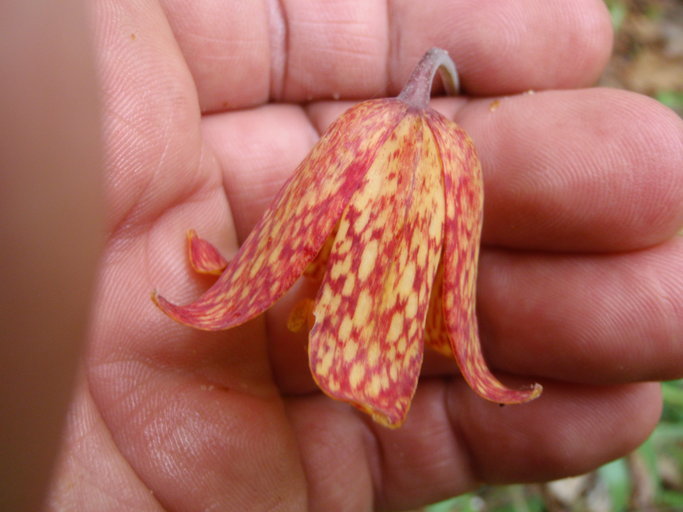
<point x="418" y="88"/>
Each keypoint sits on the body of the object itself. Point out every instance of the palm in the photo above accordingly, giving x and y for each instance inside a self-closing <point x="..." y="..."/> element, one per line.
<point x="232" y="420"/>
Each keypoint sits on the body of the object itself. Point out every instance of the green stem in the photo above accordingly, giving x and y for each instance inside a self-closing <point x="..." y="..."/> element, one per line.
<point x="418" y="88"/>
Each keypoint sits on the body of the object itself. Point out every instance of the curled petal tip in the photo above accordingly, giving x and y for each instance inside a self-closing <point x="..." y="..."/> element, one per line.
<point x="204" y="257"/>
<point x="164" y="305"/>
<point x="182" y="314"/>
<point x="517" y="396"/>
<point x="535" y="392"/>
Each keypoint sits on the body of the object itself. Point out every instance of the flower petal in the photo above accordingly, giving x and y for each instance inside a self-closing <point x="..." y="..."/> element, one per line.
<point x="464" y="207"/>
<point x="366" y="343"/>
<point x="204" y="257"/>
<point x="293" y="229"/>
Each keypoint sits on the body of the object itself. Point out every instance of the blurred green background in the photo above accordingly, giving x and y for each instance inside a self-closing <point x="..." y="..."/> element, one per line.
<point x="648" y="59"/>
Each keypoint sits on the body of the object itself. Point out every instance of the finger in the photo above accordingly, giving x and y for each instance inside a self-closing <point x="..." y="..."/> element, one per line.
<point x="594" y="319"/>
<point x="151" y="117"/>
<point x="454" y="441"/>
<point x="243" y="54"/>
<point x="589" y="170"/>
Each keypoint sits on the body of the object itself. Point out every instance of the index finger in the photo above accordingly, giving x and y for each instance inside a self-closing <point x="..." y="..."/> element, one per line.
<point x="247" y="53"/>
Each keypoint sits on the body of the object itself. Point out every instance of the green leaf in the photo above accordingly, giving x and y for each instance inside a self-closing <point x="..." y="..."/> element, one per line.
<point x="616" y="478"/>
<point x="672" y="99"/>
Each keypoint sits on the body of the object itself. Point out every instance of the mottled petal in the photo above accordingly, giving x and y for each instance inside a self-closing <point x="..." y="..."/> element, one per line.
<point x="366" y="344"/>
<point x="294" y="228"/>
<point x="204" y="257"/>
<point x="464" y="206"/>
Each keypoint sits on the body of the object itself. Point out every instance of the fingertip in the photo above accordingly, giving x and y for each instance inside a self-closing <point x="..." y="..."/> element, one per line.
<point x="586" y="170"/>
<point x="588" y="44"/>
<point x="566" y="49"/>
<point x="568" y="431"/>
<point x="660" y="150"/>
<point x="640" y="152"/>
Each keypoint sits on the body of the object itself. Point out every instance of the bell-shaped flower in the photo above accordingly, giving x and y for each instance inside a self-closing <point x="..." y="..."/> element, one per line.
<point x="387" y="207"/>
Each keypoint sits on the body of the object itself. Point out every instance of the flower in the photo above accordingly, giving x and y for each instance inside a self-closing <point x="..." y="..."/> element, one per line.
<point x="388" y="207"/>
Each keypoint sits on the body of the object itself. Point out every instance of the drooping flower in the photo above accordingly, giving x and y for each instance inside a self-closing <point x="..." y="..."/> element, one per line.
<point x="387" y="209"/>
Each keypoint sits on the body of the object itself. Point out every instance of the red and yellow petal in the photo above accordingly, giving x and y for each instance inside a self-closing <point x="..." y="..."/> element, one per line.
<point x="464" y="208"/>
<point x="294" y="228"/>
<point x="366" y="344"/>
<point x="204" y="257"/>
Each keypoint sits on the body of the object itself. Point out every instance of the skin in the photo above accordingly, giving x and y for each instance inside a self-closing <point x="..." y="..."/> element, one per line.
<point x="580" y="285"/>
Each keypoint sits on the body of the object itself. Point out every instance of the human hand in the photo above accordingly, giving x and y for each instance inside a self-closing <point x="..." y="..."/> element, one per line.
<point x="579" y="284"/>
